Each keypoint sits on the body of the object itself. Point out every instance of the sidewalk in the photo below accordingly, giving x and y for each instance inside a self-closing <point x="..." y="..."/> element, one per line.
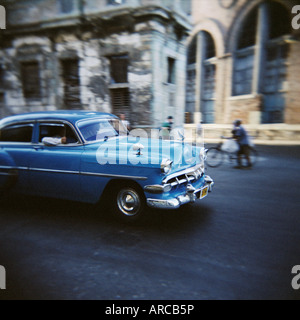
<point x="264" y="134"/>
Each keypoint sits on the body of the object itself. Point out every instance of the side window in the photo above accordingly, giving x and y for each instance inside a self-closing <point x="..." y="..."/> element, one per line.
<point x="17" y="133"/>
<point x="57" y="130"/>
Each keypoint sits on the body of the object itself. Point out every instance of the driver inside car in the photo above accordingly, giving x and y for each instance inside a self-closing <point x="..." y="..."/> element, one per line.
<point x="58" y="138"/>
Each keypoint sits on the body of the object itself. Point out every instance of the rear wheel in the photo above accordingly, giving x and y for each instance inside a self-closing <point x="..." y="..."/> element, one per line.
<point x="215" y="157"/>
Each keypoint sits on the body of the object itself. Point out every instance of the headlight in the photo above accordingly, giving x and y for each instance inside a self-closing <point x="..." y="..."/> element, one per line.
<point x="166" y="166"/>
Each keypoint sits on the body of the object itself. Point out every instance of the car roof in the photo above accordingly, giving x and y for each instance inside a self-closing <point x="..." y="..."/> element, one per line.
<point x="70" y="115"/>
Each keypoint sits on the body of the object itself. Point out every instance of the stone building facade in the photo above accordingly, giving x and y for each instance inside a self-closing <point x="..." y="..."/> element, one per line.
<point x="118" y="56"/>
<point x="244" y="62"/>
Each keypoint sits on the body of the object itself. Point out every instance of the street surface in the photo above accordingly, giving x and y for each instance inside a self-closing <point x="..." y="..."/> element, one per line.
<point x="241" y="242"/>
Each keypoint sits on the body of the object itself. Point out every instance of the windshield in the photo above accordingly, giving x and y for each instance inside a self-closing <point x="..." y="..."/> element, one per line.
<point x="101" y="129"/>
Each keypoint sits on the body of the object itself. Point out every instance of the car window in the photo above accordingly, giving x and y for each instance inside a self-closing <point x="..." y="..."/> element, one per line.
<point x="17" y="133"/>
<point x="57" y="130"/>
<point x="99" y="129"/>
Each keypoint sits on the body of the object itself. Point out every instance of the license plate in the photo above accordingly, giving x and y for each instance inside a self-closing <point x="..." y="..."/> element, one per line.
<point x="204" y="193"/>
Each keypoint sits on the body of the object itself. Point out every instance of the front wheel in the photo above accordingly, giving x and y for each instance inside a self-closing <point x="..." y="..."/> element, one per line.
<point x="214" y="157"/>
<point x="128" y="202"/>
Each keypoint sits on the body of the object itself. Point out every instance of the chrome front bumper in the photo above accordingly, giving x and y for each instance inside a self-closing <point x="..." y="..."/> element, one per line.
<point x="190" y="196"/>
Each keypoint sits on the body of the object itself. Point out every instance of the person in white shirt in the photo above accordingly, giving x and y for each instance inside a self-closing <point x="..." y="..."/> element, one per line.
<point x="124" y="121"/>
<point x="60" y="138"/>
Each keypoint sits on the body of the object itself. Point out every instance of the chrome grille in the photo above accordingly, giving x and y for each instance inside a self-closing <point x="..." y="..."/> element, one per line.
<point x="184" y="177"/>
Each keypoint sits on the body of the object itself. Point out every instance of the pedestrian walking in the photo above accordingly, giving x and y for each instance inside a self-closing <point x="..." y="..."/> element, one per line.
<point x="167" y="128"/>
<point x="241" y="136"/>
<point x="168" y="124"/>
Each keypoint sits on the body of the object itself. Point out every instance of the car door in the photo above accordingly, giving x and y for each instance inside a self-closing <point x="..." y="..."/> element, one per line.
<point x="54" y="169"/>
<point x="15" y="149"/>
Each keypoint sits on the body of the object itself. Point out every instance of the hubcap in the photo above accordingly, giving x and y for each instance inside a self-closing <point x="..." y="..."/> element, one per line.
<point x="128" y="202"/>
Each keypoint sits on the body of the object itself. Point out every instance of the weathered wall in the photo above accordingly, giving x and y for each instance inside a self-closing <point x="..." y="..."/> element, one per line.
<point x="91" y="33"/>
<point x="94" y="72"/>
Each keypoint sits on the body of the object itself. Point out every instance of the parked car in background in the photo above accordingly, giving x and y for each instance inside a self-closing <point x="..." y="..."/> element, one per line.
<point x="89" y="156"/>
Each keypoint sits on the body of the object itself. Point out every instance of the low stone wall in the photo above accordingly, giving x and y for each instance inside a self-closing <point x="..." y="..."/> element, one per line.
<point x="268" y="134"/>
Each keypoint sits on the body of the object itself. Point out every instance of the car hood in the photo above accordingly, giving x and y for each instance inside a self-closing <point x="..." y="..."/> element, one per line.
<point x="138" y="151"/>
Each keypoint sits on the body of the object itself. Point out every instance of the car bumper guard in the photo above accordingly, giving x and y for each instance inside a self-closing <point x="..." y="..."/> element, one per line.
<point x="190" y="196"/>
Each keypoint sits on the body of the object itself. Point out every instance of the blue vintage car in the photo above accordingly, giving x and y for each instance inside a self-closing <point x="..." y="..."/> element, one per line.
<point x="85" y="156"/>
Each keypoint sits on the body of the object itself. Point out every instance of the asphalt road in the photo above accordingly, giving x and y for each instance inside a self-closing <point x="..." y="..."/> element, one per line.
<point x="241" y="242"/>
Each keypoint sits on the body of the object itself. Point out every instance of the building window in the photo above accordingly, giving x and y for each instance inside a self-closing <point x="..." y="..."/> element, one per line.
<point x="191" y="81"/>
<point x="247" y="37"/>
<point x="260" y="58"/>
<point x="190" y="92"/>
<point x="201" y="77"/>
<point x="209" y="79"/>
<point x="275" y="66"/>
<point x="30" y="77"/>
<point x="119" y="69"/>
<point x="70" y="74"/>
<point x="244" y="56"/>
<point x="275" y="72"/>
<point x="171" y="71"/>
<point x="278" y="27"/>
<point x="66" y="6"/>
<point x="119" y="89"/>
<point x="243" y="72"/>
<point x="192" y="51"/>
<point x="210" y="49"/>
<point x="120" y="100"/>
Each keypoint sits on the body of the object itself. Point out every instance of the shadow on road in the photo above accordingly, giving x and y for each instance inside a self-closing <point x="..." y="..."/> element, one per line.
<point x="81" y="215"/>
